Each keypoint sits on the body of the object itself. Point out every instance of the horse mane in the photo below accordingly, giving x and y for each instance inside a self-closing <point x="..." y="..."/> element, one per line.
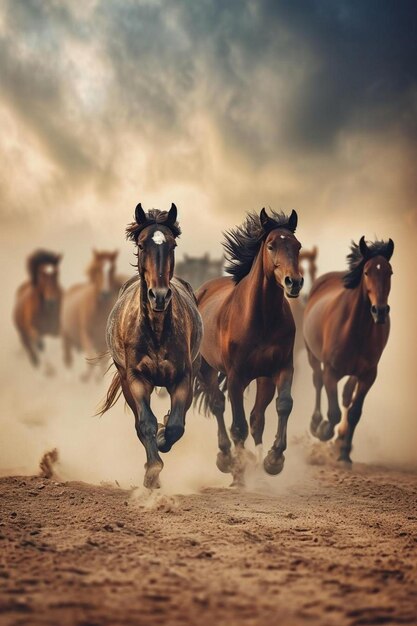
<point x="242" y="243"/>
<point x="356" y="261"/>
<point x="38" y="258"/>
<point x="154" y="216"/>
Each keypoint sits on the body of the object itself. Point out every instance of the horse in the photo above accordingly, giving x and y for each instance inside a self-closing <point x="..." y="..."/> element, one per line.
<point x="249" y="332"/>
<point x="346" y="328"/>
<point x="265" y="387"/>
<point x="86" y="307"/>
<point x="153" y="335"/>
<point x="38" y="303"/>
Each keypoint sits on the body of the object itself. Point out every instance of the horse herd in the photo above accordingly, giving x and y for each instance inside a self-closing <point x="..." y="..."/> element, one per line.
<point x="235" y="329"/>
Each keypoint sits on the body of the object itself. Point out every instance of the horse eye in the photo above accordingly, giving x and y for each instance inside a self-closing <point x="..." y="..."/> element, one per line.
<point x="140" y="246"/>
<point x="366" y="273"/>
<point x="270" y="246"/>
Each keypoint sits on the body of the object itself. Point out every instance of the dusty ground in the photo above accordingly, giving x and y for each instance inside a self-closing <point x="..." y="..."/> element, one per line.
<point x="341" y="552"/>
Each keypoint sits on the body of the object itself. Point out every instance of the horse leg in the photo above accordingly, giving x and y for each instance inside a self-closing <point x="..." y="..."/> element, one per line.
<point x="216" y="403"/>
<point x="354" y="414"/>
<point x="28" y="345"/>
<point x="274" y="460"/>
<point x="239" y="430"/>
<point x="317" y="417"/>
<point x="347" y="395"/>
<point x="326" y="428"/>
<point x="137" y="394"/>
<point x="265" y="391"/>
<point x="181" y="397"/>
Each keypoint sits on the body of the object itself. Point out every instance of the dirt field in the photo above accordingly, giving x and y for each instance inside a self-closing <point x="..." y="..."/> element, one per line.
<point x="342" y="551"/>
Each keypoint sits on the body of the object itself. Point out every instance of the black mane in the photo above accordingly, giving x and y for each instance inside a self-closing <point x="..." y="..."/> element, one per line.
<point x="38" y="258"/>
<point x="242" y="243"/>
<point x="154" y="216"/>
<point x="356" y="261"/>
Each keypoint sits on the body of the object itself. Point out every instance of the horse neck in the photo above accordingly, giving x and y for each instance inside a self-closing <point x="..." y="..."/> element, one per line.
<point x="262" y="296"/>
<point x="361" y="318"/>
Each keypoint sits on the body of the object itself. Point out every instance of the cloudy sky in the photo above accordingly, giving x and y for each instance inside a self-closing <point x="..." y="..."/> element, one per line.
<point x="219" y="106"/>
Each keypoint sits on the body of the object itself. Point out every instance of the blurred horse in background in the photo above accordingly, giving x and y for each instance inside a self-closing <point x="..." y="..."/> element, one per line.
<point x="85" y="309"/>
<point x="346" y="328"/>
<point x="38" y="304"/>
<point x="249" y="331"/>
<point x="154" y="334"/>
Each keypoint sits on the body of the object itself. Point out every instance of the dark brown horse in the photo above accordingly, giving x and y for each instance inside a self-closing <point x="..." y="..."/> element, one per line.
<point x="346" y="328"/>
<point x="86" y="307"/>
<point x="38" y="303"/>
<point x="154" y="334"/>
<point x="249" y="331"/>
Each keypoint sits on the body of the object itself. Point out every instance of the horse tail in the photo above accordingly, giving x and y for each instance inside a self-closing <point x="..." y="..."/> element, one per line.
<point x="113" y="394"/>
<point x="204" y="395"/>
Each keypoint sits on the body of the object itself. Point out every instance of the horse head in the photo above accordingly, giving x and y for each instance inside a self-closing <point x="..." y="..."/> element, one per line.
<point x="377" y="272"/>
<point x="43" y="268"/>
<point x="102" y="272"/>
<point x="155" y="233"/>
<point x="281" y="253"/>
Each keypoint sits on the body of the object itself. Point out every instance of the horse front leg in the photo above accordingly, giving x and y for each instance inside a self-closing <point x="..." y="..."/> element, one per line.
<point x="181" y="397"/>
<point x="326" y="428"/>
<point x="274" y="460"/>
<point x="29" y="345"/>
<point x="239" y="430"/>
<point x="354" y="414"/>
<point x="137" y="393"/>
<point x="265" y="391"/>
<point x="317" y="417"/>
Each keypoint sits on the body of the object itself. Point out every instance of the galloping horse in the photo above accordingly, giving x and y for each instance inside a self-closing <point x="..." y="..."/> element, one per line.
<point x="346" y="328"/>
<point x="249" y="331"/>
<point x="38" y="303"/>
<point x="86" y="307"/>
<point x="154" y="334"/>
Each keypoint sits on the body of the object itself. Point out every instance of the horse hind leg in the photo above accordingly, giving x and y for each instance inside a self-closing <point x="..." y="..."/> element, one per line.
<point x="317" y="417"/>
<point x="326" y="428"/>
<point x="207" y="384"/>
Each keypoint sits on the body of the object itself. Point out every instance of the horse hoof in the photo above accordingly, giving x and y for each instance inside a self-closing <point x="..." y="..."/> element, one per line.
<point x="345" y="461"/>
<point x="316" y="420"/>
<point x="161" y="441"/>
<point x="325" y="431"/>
<point x="224" y="462"/>
<point x="272" y="464"/>
<point x="151" y="479"/>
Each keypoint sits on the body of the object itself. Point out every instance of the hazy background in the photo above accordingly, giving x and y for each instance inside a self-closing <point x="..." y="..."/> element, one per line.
<point x="220" y="107"/>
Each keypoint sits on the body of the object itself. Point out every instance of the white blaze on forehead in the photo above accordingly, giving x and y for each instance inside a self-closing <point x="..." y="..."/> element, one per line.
<point x="158" y="237"/>
<point x="49" y="269"/>
<point x="282" y="236"/>
<point x="378" y="267"/>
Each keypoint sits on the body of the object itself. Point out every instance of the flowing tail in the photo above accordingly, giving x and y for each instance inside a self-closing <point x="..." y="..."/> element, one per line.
<point x="113" y="394"/>
<point x="204" y="395"/>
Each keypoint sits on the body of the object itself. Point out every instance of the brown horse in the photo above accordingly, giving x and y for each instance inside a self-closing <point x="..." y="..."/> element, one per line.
<point x="154" y="334"/>
<point x="265" y="387"/>
<point x="249" y="330"/>
<point x="86" y="307"/>
<point x="346" y="328"/>
<point x="38" y="303"/>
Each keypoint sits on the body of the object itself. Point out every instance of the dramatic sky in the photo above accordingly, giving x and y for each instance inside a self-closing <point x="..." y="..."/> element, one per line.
<point x="220" y="106"/>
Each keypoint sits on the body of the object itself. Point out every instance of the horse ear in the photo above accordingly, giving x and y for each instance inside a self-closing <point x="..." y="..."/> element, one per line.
<point x="265" y="219"/>
<point x="172" y="215"/>
<point x="293" y="221"/>
<point x="140" y="215"/>
<point x="390" y="249"/>
<point x="364" y="250"/>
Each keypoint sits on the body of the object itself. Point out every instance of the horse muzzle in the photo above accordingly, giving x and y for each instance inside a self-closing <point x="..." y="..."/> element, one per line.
<point x="293" y="286"/>
<point x="380" y="313"/>
<point x="159" y="298"/>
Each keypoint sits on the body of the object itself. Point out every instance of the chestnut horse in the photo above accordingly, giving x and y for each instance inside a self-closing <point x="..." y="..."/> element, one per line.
<point x="86" y="307"/>
<point x="154" y="334"/>
<point x="346" y="328"/>
<point x="265" y="387"/>
<point x="249" y="331"/>
<point x="38" y="303"/>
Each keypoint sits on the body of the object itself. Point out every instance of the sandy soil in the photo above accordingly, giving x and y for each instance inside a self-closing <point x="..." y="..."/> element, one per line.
<point x="342" y="551"/>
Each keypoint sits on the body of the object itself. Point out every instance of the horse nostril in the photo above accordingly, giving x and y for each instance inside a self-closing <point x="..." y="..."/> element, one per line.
<point x="169" y="294"/>
<point x="388" y="308"/>
<point x="151" y="294"/>
<point x="301" y="281"/>
<point x="288" y="281"/>
<point x="374" y="309"/>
